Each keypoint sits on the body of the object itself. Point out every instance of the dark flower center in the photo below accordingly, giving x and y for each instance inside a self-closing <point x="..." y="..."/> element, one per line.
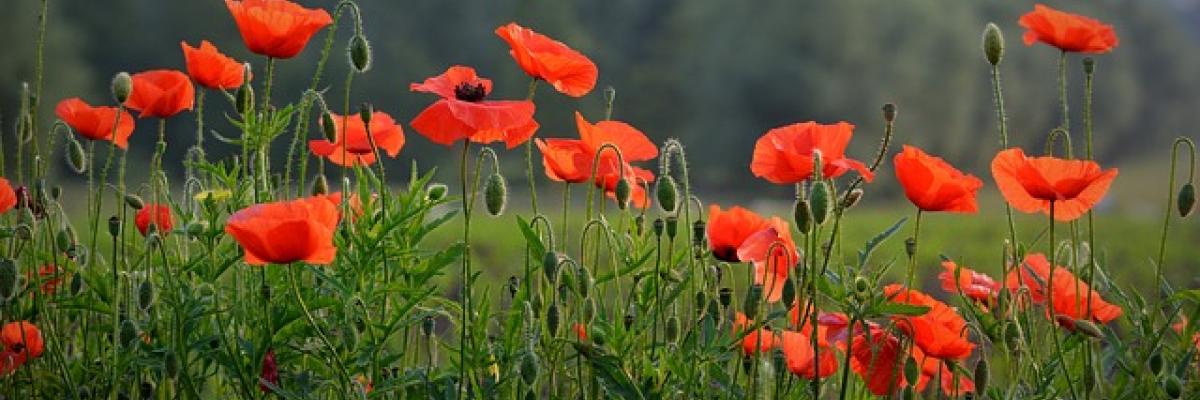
<point x="472" y="92"/>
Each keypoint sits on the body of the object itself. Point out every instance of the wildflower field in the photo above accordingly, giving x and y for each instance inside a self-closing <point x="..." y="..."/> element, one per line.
<point x="332" y="270"/>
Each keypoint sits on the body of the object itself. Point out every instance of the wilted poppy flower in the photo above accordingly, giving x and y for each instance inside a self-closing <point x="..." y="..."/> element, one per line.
<point x="784" y="155"/>
<point x="49" y="275"/>
<point x="212" y="69"/>
<point x="570" y="72"/>
<point x="286" y="231"/>
<point x="8" y="197"/>
<point x="463" y="112"/>
<point x="802" y="359"/>
<point x="1066" y="31"/>
<point x="763" y="339"/>
<point x="352" y="147"/>
<point x="1029" y="184"/>
<point x="933" y="184"/>
<point x="974" y="285"/>
<point x="95" y="123"/>
<point x="1069" y="296"/>
<point x="276" y="28"/>
<point x="22" y="341"/>
<point x="727" y="230"/>
<point x="161" y="93"/>
<point x="877" y="357"/>
<point x="269" y="374"/>
<point x="773" y="253"/>
<point x="157" y="214"/>
<point x="940" y="332"/>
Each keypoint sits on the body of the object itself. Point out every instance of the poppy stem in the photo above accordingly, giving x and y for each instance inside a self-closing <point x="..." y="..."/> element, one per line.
<point x="1062" y="91"/>
<point x="1162" y="242"/>
<point x="912" y="251"/>
<point x="529" y="156"/>
<point x="464" y="343"/>
<point x="566" y="195"/>
<point x="267" y="83"/>
<point x="199" y="123"/>
<point x="312" y="322"/>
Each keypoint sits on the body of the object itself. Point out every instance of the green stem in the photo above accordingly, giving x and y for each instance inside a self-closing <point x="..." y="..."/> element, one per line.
<point x="464" y="343"/>
<point x="312" y="322"/>
<point x="912" y="258"/>
<point x="1162" y="242"/>
<point x="1062" y="91"/>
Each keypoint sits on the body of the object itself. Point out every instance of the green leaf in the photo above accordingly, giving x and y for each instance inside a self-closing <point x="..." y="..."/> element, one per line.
<point x="613" y="379"/>
<point x="870" y="246"/>
<point x="910" y="310"/>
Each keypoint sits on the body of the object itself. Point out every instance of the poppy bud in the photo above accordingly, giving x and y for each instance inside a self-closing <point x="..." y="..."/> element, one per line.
<point x="1173" y="386"/>
<point x="360" y="53"/>
<point x="76" y="284"/>
<point x="196" y="228"/>
<point x="802" y="215"/>
<point x="698" y="233"/>
<point x="820" y="202"/>
<point x="8" y="279"/>
<point x="672" y="329"/>
<point x="550" y="265"/>
<point x="1089" y="65"/>
<point x="1156" y="362"/>
<point x="114" y="226"/>
<point x="639" y="224"/>
<point x="911" y="371"/>
<point x="171" y="364"/>
<point x="789" y="291"/>
<point x="667" y="194"/>
<point x="993" y="44"/>
<point x="427" y="325"/>
<point x="529" y="367"/>
<point x="128" y="332"/>
<point x="623" y="191"/>
<point x="122" y="86"/>
<point x="658" y="226"/>
<point x="1088" y="328"/>
<point x="982" y="375"/>
<point x="889" y="112"/>
<point x="365" y="111"/>
<point x="244" y="98"/>
<point x="435" y="192"/>
<point x="65" y="238"/>
<point x="1187" y="200"/>
<point x="628" y="320"/>
<point x="861" y="284"/>
<point x="851" y="199"/>
<point x="910" y="246"/>
<point x="552" y="319"/>
<point x="145" y="295"/>
<point x="134" y="201"/>
<point x="76" y="159"/>
<point x="328" y="127"/>
<point x="672" y="226"/>
<point x="725" y="295"/>
<point x="753" y="296"/>
<point x="495" y="194"/>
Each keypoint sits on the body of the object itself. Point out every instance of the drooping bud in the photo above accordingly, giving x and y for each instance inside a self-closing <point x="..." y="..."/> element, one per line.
<point x="244" y="98"/>
<point x="851" y="199"/>
<point x="912" y="372"/>
<point x="134" y="201"/>
<point x="122" y="86"/>
<point x="982" y="374"/>
<point x="889" y="112"/>
<point x="993" y="44"/>
<point x="8" y="279"/>
<point x="328" y="126"/>
<point x="667" y="194"/>
<point x="789" y="291"/>
<point x="623" y="191"/>
<point x="76" y="284"/>
<point x="529" y="368"/>
<point x="76" y="158"/>
<point x="1187" y="200"/>
<point x="550" y="265"/>
<point x="1173" y="386"/>
<point x="435" y="192"/>
<point x="495" y="194"/>
<point x="802" y="215"/>
<point x="552" y="319"/>
<point x="820" y="202"/>
<point x="145" y="295"/>
<point x="1155" y="362"/>
<point x="360" y="53"/>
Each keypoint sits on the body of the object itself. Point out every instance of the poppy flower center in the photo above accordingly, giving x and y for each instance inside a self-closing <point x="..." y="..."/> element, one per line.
<point x="472" y="92"/>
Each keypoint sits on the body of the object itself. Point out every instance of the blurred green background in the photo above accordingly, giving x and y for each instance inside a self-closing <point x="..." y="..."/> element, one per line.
<point x="716" y="74"/>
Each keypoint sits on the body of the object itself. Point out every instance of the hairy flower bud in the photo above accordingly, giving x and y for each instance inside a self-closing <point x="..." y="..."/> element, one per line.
<point x="145" y="295"/>
<point x="134" y="201"/>
<point x="244" y="98"/>
<point x="76" y="158"/>
<point x="667" y="194"/>
<point x="982" y="374"/>
<point x="1187" y="200"/>
<point x="725" y="295"/>
<point x="851" y="199"/>
<point x="623" y="191"/>
<point x="365" y="111"/>
<point x="495" y="194"/>
<point x="1173" y="386"/>
<point x="672" y="226"/>
<point x="8" y="279"/>
<point x="802" y="215"/>
<point x="993" y="44"/>
<point x="122" y="86"/>
<point x="328" y="127"/>
<point x="360" y="53"/>
<point x="820" y="202"/>
<point x="529" y="368"/>
<point x="435" y="192"/>
<point x="552" y="319"/>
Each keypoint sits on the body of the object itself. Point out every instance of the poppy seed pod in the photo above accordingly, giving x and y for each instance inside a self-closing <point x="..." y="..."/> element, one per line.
<point x="910" y="247"/>
<point x="76" y="158"/>
<point x="328" y="127"/>
<point x="495" y="194"/>
<point x="753" y="296"/>
<point x="659" y="225"/>
<point x="622" y="192"/>
<point x="802" y="215"/>
<point x="514" y="284"/>
<point x="889" y="112"/>
<point x="8" y="279"/>
<point x="145" y="295"/>
<point x="628" y="320"/>
<point x="993" y="44"/>
<point x="427" y="325"/>
<point x="698" y="233"/>
<point x="1089" y="65"/>
<point x="360" y="53"/>
<point x="820" y="202"/>
<point x="725" y="295"/>
<point x="789" y="291"/>
<point x="1187" y="200"/>
<point x="365" y="111"/>
<point x="667" y="194"/>
<point x="672" y="226"/>
<point x="122" y="87"/>
<point x="320" y="185"/>
<point x="114" y="226"/>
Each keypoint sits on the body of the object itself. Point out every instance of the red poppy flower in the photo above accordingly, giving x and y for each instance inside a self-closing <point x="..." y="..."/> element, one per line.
<point x="784" y="155"/>
<point x="1066" y="31"/>
<point x="1181" y="326"/>
<point x="763" y="339"/>
<point x="570" y="160"/>
<point x="940" y="332"/>
<point x="570" y="72"/>
<point x="22" y="341"/>
<point x="365" y="383"/>
<point x="286" y="231"/>
<point x="877" y="357"/>
<point x="8" y="197"/>
<point x="356" y="204"/>
<point x="462" y="112"/>
<point x="353" y="147"/>
<point x="50" y="276"/>
<point x="565" y="160"/>
<point x="932" y="368"/>
<point x="773" y="254"/>
<point x="157" y="214"/>
<point x="212" y="69"/>
<point x="832" y="327"/>
<point x="802" y="360"/>
<point x="269" y="374"/>
<point x="276" y="28"/>
<point x="1029" y="184"/>
<point x="974" y="285"/>
<point x="161" y="93"/>
<point x="1069" y="296"/>
<point x="932" y="184"/>
<point x="580" y="331"/>
<point x="95" y="123"/>
<point x="727" y="230"/>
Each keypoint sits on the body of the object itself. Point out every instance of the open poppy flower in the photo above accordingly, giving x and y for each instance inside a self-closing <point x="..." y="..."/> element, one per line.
<point x="8" y="197"/>
<point x="1068" y="297"/>
<point x="287" y="231"/>
<point x="764" y="340"/>
<point x="1066" y="31"/>
<point x="974" y="285"/>
<point x="802" y="360"/>
<point x="21" y="341"/>
<point x="1030" y="184"/>
<point x="940" y="332"/>
<point x="463" y="112"/>
<point x="877" y="357"/>
<point x="96" y="123"/>
<point x="276" y="28"/>
<point x="727" y="230"/>
<point x="571" y="160"/>
<point x="157" y="214"/>
<point x="932" y="184"/>
<point x="932" y="368"/>
<point x="353" y="147"/>
<point x="570" y="72"/>
<point x="161" y="93"/>
<point x="212" y="69"/>
<point x="773" y="253"/>
<point x="565" y="160"/>
<point x="784" y="155"/>
<point x="832" y="327"/>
